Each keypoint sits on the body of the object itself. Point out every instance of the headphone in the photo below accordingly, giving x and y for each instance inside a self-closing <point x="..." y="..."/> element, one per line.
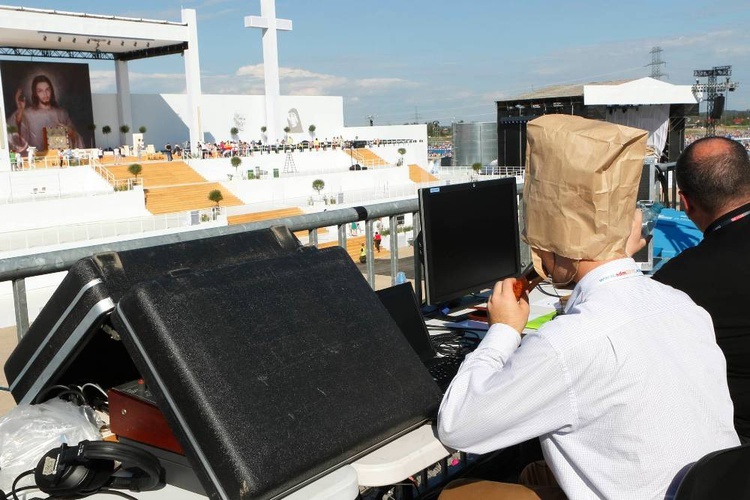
<point x="89" y="466"/>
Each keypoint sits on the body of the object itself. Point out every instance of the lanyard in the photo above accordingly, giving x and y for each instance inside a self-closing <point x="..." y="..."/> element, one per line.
<point x="733" y="219"/>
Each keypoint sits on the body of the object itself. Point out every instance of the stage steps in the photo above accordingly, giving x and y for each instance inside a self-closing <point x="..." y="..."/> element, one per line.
<point x="166" y="200"/>
<point x="173" y="186"/>
<point x="159" y="173"/>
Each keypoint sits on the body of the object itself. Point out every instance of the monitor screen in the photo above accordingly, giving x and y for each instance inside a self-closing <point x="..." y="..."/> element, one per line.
<point x="469" y="237"/>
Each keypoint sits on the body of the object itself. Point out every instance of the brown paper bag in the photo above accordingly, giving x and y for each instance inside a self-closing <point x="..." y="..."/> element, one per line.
<point x="581" y="185"/>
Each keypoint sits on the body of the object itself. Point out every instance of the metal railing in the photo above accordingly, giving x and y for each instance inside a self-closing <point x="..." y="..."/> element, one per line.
<point x="17" y="269"/>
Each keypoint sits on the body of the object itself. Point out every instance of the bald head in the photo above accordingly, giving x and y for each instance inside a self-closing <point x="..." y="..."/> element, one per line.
<point x="714" y="173"/>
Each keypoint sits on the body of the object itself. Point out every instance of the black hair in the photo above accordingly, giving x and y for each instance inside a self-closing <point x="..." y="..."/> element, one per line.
<point x="713" y="175"/>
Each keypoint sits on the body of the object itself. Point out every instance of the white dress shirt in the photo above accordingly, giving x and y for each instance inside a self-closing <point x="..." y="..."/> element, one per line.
<point x="623" y="390"/>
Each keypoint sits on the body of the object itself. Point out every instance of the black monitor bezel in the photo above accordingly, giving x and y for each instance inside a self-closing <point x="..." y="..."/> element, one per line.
<point x="427" y="249"/>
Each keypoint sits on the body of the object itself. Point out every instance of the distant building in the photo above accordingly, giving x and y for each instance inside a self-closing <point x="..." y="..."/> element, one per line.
<point x="646" y="103"/>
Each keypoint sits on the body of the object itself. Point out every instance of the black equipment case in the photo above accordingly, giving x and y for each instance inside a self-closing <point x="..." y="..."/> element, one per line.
<point x="68" y="328"/>
<point x="273" y="373"/>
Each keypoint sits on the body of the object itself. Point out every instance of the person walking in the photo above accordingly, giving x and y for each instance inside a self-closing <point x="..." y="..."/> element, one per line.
<point x="377" y="239"/>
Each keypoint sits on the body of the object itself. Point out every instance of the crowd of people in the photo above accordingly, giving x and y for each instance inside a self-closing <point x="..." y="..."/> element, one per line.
<point x="740" y="135"/>
<point x="640" y="377"/>
<point x="229" y="148"/>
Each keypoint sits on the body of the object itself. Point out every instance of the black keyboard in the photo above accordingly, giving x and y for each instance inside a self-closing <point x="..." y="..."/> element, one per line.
<point x="444" y="369"/>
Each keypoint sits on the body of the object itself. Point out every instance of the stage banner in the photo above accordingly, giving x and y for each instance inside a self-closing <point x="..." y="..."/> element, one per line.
<point x="48" y="105"/>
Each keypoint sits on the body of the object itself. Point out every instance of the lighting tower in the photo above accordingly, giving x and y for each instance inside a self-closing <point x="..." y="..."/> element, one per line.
<point x="712" y="89"/>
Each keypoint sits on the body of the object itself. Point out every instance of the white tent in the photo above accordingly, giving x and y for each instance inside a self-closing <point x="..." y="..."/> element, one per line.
<point x="642" y="103"/>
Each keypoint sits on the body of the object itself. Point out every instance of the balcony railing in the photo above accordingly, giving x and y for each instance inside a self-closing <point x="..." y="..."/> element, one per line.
<point x="17" y="269"/>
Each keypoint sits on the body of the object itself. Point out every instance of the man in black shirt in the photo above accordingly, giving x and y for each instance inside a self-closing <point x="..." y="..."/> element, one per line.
<point x="713" y="175"/>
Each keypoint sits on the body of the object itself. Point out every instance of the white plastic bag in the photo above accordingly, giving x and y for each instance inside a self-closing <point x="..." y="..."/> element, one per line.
<point x="27" y="432"/>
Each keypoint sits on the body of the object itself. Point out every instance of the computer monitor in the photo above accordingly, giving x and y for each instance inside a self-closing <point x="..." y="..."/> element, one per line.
<point x="469" y="237"/>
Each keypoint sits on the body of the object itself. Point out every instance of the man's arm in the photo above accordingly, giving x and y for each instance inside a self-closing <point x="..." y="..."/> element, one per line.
<point x="505" y="394"/>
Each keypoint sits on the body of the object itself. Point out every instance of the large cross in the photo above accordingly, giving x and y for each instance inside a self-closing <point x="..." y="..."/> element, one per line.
<point x="270" y="24"/>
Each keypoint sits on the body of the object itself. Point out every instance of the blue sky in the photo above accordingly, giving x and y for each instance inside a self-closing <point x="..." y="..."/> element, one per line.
<point x="425" y="60"/>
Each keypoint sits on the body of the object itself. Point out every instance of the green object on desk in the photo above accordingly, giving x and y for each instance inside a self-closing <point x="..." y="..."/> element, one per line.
<point x="537" y="322"/>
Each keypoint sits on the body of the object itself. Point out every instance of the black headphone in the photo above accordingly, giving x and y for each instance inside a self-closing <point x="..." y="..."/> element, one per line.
<point x="88" y="467"/>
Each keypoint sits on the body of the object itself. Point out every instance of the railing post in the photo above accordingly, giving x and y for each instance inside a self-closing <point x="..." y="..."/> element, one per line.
<point x="21" y="307"/>
<point x="342" y="235"/>
<point x="393" y="223"/>
<point x="313" y="236"/>
<point x="369" y="244"/>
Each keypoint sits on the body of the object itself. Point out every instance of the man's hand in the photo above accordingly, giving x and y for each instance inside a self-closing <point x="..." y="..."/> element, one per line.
<point x="635" y="242"/>
<point x="502" y="306"/>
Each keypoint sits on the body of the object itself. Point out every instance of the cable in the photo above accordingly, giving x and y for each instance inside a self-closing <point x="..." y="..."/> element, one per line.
<point x="95" y="386"/>
<point x="116" y="493"/>
<point x="22" y="475"/>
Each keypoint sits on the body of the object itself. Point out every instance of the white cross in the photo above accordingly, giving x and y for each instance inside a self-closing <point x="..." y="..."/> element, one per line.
<point x="270" y="24"/>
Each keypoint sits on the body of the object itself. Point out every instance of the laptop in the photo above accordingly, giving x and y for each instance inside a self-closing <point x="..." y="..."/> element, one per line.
<point x="401" y="303"/>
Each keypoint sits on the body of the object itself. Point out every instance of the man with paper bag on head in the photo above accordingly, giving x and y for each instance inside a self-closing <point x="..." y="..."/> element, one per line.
<point x="626" y="388"/>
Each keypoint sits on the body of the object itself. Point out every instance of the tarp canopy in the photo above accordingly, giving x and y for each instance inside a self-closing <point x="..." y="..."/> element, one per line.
<point x="641" y="92"/>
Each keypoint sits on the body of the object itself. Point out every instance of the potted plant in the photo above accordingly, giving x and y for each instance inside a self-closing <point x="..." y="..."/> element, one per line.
<point x="236" y="161"/>
<point x="215" y="196"/>
<point x="476" y="167"/>
<point x="124" y="129"/>
<point x="311" y="129"/>
<point x="318" y="185"/>
<point x="135" y="169"/>
<point x="234" y="131"/>
<point x="402" y="152"/>
<point x="106" y="130"/>
<point x="91" y="128"/>
<point x="142" y="129"/>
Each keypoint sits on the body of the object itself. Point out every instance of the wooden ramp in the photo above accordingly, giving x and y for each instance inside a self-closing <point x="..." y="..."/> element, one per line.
<point x="166" y="200"/>
<point x="160" y="174"/>
<point x="280" y="213"/>
<point x="267" y="215"/>
<point x="419" y="175"/>
<point x="367" y="158"/>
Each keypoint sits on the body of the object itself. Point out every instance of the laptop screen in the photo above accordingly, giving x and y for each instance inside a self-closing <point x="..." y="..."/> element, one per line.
<point x="401" y="303"/>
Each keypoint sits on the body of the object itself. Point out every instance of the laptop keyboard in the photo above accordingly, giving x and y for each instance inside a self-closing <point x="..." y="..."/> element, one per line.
<point x="444" y="369"/>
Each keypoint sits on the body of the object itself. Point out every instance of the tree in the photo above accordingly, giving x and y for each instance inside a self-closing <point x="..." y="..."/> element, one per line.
<point x="106" y="130"/>
<point x="402" y="152"/>
<point x="135" y="169"/>
<point x="234" y="131"/>
<point x="92" y="128"/>
<point x="263" y="129"/>
<point x="311" y="129"/>
<point x="215" y="196"/>
<point x="476" y="167"/>
<point x="287" y="129"/>
<point x="318" y="185"/>
<point x="236" y="161"/>
<point x="142" y="129"/>
<point x="124" y="129"/>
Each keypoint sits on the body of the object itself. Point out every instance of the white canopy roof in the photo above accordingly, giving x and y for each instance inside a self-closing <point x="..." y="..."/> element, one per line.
<point x="640" y="92"/>
<point x="123" y="37"/>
